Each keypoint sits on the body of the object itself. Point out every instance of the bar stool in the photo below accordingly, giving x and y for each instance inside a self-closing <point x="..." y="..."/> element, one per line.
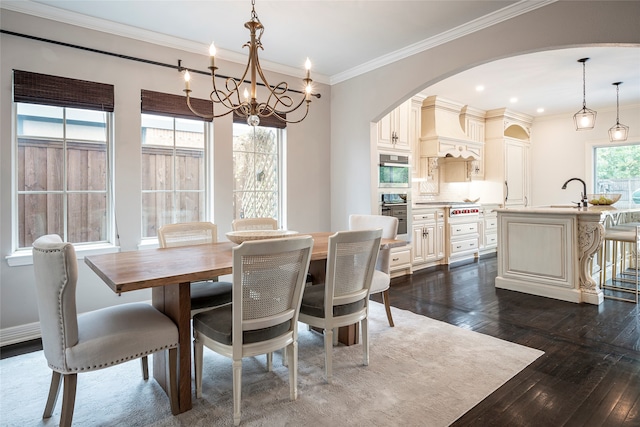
<point x="624" y="239"/>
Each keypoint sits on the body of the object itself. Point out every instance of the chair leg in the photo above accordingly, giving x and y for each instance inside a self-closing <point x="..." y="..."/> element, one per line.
<point x="237" y="383"/>
<point x="197" y="364"/>
<point x="68" y="399"/>
<point x="270" y="361"/>
<point x="387" y="306"/>
<point x="328" y="350"/>
<point x="285" y="357"/>
<point x="54" y="391"/>
<point x="173" y="381"/>
<point x="144" y="361"/>
<point x="365" y="341"/>
<point x="292" y="351"/>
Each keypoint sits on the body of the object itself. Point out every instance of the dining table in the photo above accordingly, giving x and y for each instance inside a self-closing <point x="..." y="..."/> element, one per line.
<point x="168" y="272"/>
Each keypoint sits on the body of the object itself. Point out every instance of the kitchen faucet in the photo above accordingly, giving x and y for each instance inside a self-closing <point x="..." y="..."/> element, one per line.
<point x="583" y="195"/>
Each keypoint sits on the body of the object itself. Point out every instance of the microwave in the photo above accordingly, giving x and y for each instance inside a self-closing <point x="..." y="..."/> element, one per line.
<point x="393" y="171"/>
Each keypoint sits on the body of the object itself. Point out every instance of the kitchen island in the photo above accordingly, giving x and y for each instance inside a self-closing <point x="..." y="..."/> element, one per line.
<point x="549" y="250"/>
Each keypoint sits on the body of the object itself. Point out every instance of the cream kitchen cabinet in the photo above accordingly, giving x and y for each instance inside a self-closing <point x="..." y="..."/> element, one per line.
<point x="394" y="129"/>
<point x="427" y="237"/>
<point x="507" y="142"/>
<point x="400" y="262"/>
<point x="488" y="229"/>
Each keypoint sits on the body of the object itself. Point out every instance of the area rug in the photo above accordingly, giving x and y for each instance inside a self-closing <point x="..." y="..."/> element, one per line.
<point x="422" y="372"/>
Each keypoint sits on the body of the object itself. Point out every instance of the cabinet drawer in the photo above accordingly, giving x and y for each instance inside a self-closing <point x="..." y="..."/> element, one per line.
<point x="462" y="229"/>
<point x="464" y="246"/>
<point x="424" y="217"/>
<point x="491" y="223"/>
<point x="491" y="240"/>
<point x="400" y="258"/>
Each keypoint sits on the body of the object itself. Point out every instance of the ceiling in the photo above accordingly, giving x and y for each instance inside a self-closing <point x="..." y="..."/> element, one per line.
<point x="346" y="38"/>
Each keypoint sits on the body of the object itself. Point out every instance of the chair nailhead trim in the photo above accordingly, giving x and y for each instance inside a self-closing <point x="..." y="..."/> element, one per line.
<point x="116" y="362"/>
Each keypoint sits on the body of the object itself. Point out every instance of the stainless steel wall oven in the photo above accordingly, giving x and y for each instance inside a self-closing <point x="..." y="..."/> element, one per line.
<point x="395" y="204"/>
<point x="393" y="171"/>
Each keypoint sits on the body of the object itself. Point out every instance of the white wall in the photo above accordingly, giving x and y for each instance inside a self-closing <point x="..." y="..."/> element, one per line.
<point x="307" y="153"/>
<point x="364" y="99"/>
<point x="559" y="152"/>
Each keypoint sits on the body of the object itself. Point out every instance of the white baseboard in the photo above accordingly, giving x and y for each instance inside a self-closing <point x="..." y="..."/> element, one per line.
<point x="19" y="334"/>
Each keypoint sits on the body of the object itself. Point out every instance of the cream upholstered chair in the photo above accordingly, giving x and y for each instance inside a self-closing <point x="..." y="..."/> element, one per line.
<point x="269" y="276"/>
<point x="344" y="298"/>
<point x="254" y="224"/>
<point x="382" y="276"/>
<point x="206" y="294"/>
<point x="93" y="340"/>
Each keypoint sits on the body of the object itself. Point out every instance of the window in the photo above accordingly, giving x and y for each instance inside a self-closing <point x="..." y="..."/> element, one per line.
<point x="63" y="140"/>
<point x="173" y="172"/>
<point x="174" y="168"/>
<point x="617" y="170"/>
<point x="257" y="171"/>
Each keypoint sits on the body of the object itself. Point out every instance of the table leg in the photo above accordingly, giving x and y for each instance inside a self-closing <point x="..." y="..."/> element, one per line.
<point x="175" y="302"/>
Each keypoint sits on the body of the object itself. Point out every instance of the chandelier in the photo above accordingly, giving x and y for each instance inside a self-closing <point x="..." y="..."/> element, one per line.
<point x="618" y="132"/>
<point x="585" y="119"/>
<point x="279" y="100"/>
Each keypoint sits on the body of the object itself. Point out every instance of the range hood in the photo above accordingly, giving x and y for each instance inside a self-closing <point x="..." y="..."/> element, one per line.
<point x="442" y="134"/>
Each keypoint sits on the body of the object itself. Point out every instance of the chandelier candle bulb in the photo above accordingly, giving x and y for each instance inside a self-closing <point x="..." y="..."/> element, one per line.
<point x="187" y="79"/>
<point x="212" y="54"/>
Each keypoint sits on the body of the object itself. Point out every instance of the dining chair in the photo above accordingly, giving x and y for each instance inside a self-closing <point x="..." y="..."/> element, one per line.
<point x="382" y="276"/>
<point x="94" y="340"/>
<point x="344" y="297"/>
<point x="254" y="224"/>
<point x="269" y="276"/>
<point x="205" y="294"/>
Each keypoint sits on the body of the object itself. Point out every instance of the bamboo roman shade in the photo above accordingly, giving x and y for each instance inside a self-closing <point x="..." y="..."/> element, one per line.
<point x="34" y="88"/>
<point x="165" y="104"/>
<point x="269" y="121"/>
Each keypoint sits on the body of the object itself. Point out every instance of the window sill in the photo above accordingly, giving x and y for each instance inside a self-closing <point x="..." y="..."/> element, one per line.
<point x="24" y="257"/>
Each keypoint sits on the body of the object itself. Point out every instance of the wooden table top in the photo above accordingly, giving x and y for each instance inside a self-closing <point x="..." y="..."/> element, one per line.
<point x="134" y="270"/>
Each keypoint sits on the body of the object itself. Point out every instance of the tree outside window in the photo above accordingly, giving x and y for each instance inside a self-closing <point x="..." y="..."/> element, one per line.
<point x="617" y="170"/>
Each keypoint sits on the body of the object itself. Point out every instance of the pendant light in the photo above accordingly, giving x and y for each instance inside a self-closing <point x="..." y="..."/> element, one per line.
<point x="618" y="132"/>
<point x="584" y="119"/>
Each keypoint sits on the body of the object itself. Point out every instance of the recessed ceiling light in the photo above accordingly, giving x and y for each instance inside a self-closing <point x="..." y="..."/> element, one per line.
<point x="513" y="100"/>
<point x="540" y="110"/>
<point x="479" y="88"/>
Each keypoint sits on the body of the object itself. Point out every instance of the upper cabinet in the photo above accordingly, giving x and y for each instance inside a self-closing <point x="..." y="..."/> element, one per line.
<point x="394" y="129"/>
<point x="507" y="143"/>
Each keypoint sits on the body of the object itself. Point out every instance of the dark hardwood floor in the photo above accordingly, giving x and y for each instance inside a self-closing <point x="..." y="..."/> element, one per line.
<point x="588" y="376"/>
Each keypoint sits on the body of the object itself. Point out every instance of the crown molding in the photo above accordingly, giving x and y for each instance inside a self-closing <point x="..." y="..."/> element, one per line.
<point x="97" y="24"/>
<point x="504" y="14"/>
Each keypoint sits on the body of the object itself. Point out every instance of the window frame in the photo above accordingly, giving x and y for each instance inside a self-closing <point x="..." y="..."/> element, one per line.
<point x="208" y="173"/>
<point x="23" y="256"/>
<point x="590" y="159"/>
<point x="281" y="138"/>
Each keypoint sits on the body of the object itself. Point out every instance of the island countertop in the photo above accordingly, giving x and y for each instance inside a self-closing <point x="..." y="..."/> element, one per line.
<point x="602" y="210"/>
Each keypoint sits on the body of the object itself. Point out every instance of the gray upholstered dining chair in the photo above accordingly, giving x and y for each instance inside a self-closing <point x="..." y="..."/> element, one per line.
<point x="269" y="276"/>
<point x="254" y="224"/>
<point x="344" y="297"/>
<point x="382" y="275"/>
<point x="95" y="340"/>
<point x="205" y="294"/>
